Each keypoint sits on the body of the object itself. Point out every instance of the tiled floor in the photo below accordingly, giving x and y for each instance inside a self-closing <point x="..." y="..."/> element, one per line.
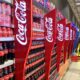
<point x="74" y="72"/>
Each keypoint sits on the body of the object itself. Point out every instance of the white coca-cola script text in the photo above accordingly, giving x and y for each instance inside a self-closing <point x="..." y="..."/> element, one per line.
<point x="49" y="27"/>
<point x="20" y="14"/>
<point x="67" y="33"/>
<point x="60" y="32"/>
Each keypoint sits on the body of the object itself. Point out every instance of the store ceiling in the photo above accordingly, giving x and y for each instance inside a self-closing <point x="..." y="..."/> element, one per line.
<point x="75" y="5"/>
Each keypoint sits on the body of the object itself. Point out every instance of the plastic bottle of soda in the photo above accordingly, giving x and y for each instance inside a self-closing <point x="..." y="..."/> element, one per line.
<point x="5" y="51"/>
<point x="1" y="54"/>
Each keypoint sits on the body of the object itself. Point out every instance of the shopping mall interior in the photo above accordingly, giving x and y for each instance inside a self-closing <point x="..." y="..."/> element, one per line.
<point x="39" y="39"/>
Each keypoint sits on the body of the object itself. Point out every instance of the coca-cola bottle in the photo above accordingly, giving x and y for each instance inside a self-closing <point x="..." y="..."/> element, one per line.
<point x="5" y="51"/>
<point x="5" y="71"/>
<point x="10" y="46"/>
<point x="10" y="69"/>
<point x="1" y="73"/>
<point x="1" y="54"/>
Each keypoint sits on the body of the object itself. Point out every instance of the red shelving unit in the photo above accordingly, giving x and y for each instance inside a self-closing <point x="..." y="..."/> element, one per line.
<point x="50" y="54"/>
<point x="60" y="42"/>
<point x="67" y="41"/>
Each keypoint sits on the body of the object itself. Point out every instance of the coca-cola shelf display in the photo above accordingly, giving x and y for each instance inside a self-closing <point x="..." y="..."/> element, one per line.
<point x="35" y="66"/>
<point x="53" y="67"/>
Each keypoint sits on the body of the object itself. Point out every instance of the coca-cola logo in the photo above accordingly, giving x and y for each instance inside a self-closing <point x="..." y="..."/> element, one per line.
<point x="49" y="27"/>
<point x="60" y="32"/>
<point x="20" y="14"/>
<point x="67" y="33"/>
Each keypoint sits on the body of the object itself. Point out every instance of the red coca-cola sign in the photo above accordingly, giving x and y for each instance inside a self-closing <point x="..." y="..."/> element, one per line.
<point x="60" y="40"/>
<point x="23" y="24"/>
<point x="50" y="25"/>
<point x="67" y="40"/>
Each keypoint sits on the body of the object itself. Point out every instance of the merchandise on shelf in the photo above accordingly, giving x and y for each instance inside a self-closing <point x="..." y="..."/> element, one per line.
<point x="35" y="68"/>
<point x="6" y="42"/>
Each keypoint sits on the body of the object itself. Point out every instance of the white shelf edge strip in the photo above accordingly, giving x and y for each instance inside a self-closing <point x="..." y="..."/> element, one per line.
<point x="34" y="29"/>
<point x="7" y="39"/>
<point x="7" y="63"/>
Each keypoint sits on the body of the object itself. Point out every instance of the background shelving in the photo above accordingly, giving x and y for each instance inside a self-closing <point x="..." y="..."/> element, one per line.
<point x="6" y="41"/>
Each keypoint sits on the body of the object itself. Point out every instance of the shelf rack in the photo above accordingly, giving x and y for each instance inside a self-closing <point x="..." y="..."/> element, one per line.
<point x="7" y="41"/>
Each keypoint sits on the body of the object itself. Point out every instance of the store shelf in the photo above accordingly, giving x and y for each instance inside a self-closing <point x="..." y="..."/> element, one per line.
<point x="38" y="38"/>
<point x="53" y="58"/>
<point x="7" y="39"/>
<point x="38" y="30"/>
<point x="53" y="54"/>
<point x="7" y="76"/>
<point x="40" y="6"/>
<point x="34" y="71"/>
<point x="36" y="54"/>
<point x="41" y="77"/>
<point x="7" y="26"/>
<point x="37" y="46"/>
<point x="8" y="63"/>
<point x="53" y="66"/>
<point x="53" y="73"/>
<point x="34" y="63"/>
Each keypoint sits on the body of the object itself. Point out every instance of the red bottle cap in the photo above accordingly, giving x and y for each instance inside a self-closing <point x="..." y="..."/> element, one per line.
<point x="1" y="53"/>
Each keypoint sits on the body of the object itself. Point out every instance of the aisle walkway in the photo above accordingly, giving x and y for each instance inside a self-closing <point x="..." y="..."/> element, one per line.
<point x="73" y="72"/>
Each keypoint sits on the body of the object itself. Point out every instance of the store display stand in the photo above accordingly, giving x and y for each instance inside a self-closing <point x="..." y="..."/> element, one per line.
<point x="50" y="25"/>
<point x="23" y="35"/>
<point x="60" y="41"/>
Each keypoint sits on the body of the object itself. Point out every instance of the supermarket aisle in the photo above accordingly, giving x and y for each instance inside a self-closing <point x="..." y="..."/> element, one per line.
<point x="73" y="72"/>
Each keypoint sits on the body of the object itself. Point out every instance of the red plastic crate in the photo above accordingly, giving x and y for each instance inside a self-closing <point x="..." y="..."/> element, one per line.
<point x="74" y="58"/>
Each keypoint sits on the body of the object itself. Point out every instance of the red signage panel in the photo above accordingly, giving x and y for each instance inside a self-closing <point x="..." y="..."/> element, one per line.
<point x="60" y="39"/>
<point x="67" y="40"/>
<point x="50" y="24"/>
<point x="73" y="38"/>
<point x="22" y="23"/>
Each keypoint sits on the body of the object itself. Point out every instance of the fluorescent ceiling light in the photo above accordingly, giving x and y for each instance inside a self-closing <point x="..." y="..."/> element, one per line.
<point x="77" y="4"/>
